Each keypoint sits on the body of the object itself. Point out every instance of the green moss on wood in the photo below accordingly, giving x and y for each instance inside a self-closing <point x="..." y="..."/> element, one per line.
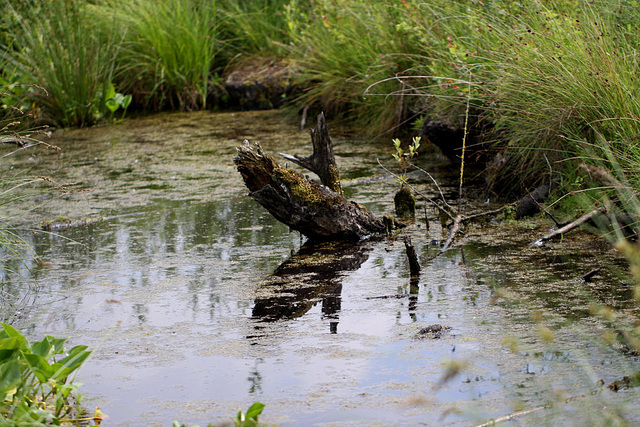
<point x="405" y="203"/>
<point x="303" y="190"/>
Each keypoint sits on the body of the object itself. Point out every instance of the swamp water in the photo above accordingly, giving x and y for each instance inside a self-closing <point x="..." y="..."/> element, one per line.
<point x="197" y="303"/>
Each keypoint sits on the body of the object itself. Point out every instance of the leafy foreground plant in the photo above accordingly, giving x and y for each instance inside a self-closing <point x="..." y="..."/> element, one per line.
<point x="36" y="383"/>
<point x="248" y="419"/>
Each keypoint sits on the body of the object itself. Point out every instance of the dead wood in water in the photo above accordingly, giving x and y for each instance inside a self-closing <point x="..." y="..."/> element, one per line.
<point x="575" y="224"/>
<point x="314" y="210"/>
<point x="414" y="265"/>
<point x="322" y="162"/>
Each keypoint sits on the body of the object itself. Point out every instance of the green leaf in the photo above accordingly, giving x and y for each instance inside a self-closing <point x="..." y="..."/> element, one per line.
<point x="58" y="344"/>
<point x="126" y="101"/>
<point x="65" y="366"/>
<point x="39" y="366"/>
<point x="10" y="378"/>
<point x="112" y="105"/>
<point x="254" y="410"/>
<point x="111" y="91"/>
<point x="43" y="348"/>
<point x="10" y="330"/>
<point x="15" y="343"/>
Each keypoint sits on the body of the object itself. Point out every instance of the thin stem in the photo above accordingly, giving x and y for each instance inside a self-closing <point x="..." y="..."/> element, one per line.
<point x="464" y="142"/>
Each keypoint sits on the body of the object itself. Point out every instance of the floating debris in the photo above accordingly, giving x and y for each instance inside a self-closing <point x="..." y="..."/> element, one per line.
<point x="432" y="332"/>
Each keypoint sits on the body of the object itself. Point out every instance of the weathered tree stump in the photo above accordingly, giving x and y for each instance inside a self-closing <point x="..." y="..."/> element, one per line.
<point x="405" y="203"/>
<point x="321" y="162"/>
<point x="317" y="211"/>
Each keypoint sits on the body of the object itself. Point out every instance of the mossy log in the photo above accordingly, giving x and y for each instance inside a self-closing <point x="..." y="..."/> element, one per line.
<point x="304" y="205"/>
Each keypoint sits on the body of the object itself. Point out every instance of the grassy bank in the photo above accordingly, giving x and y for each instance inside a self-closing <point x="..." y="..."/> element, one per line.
<point x="554" y="81"/>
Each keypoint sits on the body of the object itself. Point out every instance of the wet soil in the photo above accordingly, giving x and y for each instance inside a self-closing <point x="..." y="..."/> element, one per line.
<point x="197" y="303"/>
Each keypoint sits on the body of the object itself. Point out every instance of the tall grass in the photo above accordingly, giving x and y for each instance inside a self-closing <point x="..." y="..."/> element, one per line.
<point x="260" y="28"/>
<point x="56" y="52"/>
<point x="546" y="76"/>
<point x="568" y="78"/>
<point x="168" y="50"/>
<point x="350" y="46"/>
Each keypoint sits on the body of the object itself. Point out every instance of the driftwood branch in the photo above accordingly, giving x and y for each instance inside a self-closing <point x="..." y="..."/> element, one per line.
<point x="578" y="222"/>
<point x="322" y="162"/>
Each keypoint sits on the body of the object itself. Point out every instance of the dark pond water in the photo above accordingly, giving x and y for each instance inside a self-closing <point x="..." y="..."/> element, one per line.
<point x="197" y="303"/>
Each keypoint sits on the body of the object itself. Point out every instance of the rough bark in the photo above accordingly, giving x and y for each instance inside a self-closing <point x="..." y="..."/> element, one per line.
<point x="321" y="162"/>
<point x="304" y="205"/>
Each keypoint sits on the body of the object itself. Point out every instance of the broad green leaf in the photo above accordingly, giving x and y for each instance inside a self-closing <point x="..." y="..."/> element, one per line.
<point x="10" y="377"/>
<point x="39" y="366"/>
<point x="112" y="105"/>
<point x="15" y="343"/>
<point x="58" y="343"/>
<point x="6" y="355"/>
<point x="126" y="101"/>
<point x="254" y="410"/>
<point x="43" y="348"/>
<point x="65" y="366"/>
<point x="10" y="330"/>
<point x="111" y="91"/>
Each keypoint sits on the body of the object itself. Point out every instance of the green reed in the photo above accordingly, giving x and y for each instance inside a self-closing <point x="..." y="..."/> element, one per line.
<point x="168" y="50"/>
<point x="66" y="66"/>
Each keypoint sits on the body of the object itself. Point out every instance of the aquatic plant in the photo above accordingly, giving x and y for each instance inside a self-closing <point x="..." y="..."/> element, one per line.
<point x="250" y="418"/>
<point x="242" y="419"/>
<point x="36" y="379"/>
<point x="168" y="50"/>
<point x="404" y="158"/>
<point x="116" y="101"/>
<point x="65" y="67"/>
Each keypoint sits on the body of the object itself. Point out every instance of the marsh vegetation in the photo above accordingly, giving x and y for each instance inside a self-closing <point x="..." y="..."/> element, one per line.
<point x="543" y="92"/>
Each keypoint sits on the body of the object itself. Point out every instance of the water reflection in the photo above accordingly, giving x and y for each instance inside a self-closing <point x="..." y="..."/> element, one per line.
<point x="312" y="275"/>
<point x="196" y="309"/>
<point x="189" y="251"/>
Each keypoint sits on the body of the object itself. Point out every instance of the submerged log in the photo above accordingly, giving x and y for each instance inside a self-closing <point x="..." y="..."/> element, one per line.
<point x="304" y="205"/>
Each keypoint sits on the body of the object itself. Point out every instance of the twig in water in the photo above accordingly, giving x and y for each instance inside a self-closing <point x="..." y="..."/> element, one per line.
<point x="578" y="222"/>
<point x="512" y="416"/>
<point x="452" y="234"/>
